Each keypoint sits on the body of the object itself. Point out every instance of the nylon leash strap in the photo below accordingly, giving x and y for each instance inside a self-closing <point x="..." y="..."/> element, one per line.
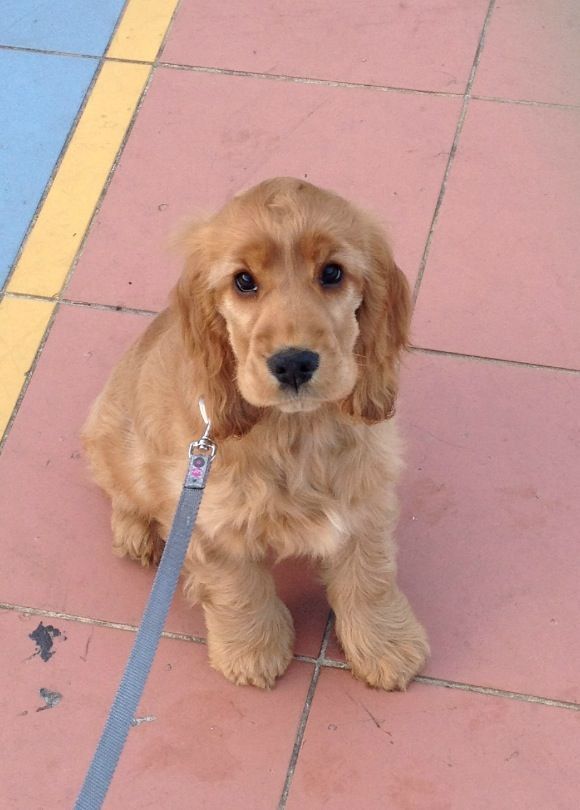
<point x="114" y="736"/>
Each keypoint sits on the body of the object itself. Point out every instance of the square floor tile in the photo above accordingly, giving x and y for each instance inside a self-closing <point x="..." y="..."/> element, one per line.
<point x="81" y="26"/>
<point x="433" y="749"/>
<point x="502" y="275"/>
<point x="202" y="741"/>
<point x="40" y="96"/>
<point x="488" y="535"/>
<point x="424" y="45"/>
<point x="387" y="151"/>
<point x="57" y="552"/>
<point x="532" y="52"/>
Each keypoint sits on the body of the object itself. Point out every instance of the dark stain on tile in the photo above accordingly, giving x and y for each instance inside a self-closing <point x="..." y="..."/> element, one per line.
<point x="44" y="637"/>
<point x="51" y="699"/>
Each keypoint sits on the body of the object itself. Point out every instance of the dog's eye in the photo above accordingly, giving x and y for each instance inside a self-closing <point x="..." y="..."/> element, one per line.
<point x="245" y="283"/>
<point x="331" y="275"/>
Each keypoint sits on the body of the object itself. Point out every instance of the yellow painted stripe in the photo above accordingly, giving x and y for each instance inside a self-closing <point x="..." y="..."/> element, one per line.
<point x="69" y="205"/>
<point x="141" y="31"/>
<point x="22" y="325"/>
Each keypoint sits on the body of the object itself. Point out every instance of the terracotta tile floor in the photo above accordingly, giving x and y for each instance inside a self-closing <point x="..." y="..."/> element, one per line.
<point x="460" y="126"/>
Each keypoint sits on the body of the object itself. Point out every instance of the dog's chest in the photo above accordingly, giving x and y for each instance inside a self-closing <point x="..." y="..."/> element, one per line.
<point x="287" y="496"/>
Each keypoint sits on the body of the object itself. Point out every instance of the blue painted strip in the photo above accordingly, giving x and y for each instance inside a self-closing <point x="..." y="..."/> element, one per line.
<point x="40" y="96"/>
<point x="81" y="26"/>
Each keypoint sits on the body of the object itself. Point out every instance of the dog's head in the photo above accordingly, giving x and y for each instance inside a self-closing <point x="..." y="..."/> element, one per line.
<point x="291" y="299"/>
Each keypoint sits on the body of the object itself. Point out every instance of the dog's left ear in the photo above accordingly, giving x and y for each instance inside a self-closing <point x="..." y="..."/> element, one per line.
<point x="206" y="342"/>
<point x="384" y="321"/>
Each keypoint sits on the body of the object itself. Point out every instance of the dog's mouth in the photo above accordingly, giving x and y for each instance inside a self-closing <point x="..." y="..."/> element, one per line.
<point x="300" y="401"/>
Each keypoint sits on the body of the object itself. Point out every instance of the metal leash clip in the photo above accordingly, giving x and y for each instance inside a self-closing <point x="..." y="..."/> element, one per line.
<point x="205" y="443"/>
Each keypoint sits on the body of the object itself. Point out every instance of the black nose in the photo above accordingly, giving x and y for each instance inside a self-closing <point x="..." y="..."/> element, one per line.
<point x="293" y="367"/>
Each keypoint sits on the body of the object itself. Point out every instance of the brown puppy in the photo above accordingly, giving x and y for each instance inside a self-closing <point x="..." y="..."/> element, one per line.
<point x="289" y="319"/>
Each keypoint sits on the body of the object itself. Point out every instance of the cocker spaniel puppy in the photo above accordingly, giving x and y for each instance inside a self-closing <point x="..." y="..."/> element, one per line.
<point x="289" y="319"/>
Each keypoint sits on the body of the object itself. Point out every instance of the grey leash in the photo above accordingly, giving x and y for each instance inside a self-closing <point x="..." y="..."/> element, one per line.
<point x="114" y="736"/>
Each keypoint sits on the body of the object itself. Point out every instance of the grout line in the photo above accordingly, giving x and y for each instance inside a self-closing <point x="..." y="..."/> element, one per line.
<point x="100" y="57"/>
<point x="319" y="662"/>
<point x="331" y="663"/>
<point x="299" y="739"/>
<point x="453" y="150"/>
<point x="31" y="296"/>
<point x="118" y="22"/>
<point x="305" y="659"/>
<point x="527" y="102"/>
<point x="69" y="617"/>
<point x="78" y="54"/>
<point x="497" y="360"/>
<point x="69" y="302"/>
<point x="151" y="313"/>
<point x="326" y="636"/>
<point x="109" y="307"/>
<point x="284" y="77"/>
<point x="503" y="693"/>
<point x="51" y="52"/>
<point x="427" y="680"/>
<point x="123" y="626"/>
<point x="161" y="48"/>
<point x="276" y="77"/>
<point x="144" y="31"/>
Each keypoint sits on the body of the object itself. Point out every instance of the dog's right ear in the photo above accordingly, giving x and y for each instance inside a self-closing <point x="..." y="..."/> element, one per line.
<point x="205" y="339"/>
<point x="384" y="319"/>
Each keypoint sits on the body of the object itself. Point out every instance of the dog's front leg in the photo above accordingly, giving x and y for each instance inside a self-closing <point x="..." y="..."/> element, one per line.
<point x="383" y="641"/>
<point x="250" y="631"/>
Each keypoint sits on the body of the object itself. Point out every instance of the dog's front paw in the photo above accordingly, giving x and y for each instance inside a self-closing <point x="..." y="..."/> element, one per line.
<point x="388" y="649"/>
<point x="393" y="665"/>
<point x="135" y="537"/>
<point x="251" y="661"/>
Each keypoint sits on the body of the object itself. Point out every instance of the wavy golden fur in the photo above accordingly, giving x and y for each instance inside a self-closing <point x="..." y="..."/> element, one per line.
<point x="307" y="463"/>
